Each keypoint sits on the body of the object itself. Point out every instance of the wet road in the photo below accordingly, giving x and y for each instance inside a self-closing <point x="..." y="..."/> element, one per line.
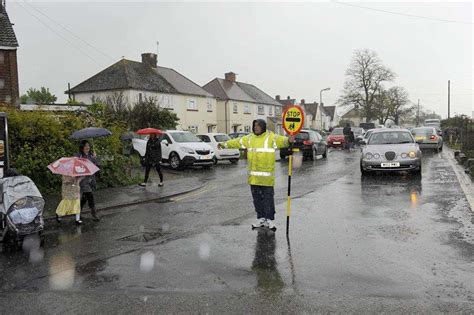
<point x="383" y="243"/>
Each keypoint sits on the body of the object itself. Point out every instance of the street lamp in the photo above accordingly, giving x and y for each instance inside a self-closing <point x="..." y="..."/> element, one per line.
<point x="321" y="95"/>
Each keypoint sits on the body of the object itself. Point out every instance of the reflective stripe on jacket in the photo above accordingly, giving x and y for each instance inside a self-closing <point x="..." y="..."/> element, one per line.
<point x="260" y="155"/>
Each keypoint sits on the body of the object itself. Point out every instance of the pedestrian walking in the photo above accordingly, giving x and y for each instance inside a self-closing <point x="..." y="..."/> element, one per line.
<point x="88" y="184"/>
<point x="71" y="199"/>
<point x="346" y="131"/>
<point x="351" y="140"/>
<point x="261" y="145"/>
<point x="153" y="158"/>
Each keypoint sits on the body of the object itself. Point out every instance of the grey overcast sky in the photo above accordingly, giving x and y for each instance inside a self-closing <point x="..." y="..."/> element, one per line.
<point x="292" y="48"/>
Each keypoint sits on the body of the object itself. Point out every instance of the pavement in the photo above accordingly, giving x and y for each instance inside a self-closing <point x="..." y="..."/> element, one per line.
<point x="465" y="180"/>
<point x="112" y="198"/>
<point x="381" y="244"/>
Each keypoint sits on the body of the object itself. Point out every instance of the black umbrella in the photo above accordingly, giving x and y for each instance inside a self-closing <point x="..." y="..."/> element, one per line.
<point x="91" y="132"/>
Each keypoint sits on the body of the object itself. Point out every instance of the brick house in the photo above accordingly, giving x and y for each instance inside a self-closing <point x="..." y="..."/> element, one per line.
<point x="9" y="92"/>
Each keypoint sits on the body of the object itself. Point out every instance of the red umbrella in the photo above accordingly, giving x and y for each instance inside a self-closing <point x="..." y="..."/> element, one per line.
<point x="148" y="131"/>
<point x="73" y="166"/>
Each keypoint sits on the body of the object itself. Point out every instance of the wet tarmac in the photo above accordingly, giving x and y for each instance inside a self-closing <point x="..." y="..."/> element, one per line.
<point x="385" y="243"/>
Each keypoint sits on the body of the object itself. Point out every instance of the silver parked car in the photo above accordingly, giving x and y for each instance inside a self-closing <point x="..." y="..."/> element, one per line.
<point x="390" y="150"/>
<point x="428" y="138"/>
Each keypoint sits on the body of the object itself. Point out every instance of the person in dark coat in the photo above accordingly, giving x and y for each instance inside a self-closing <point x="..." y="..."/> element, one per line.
<point x="88" y="184"/>
<point x="153" y="158"/>
<point x="347" y="133"/>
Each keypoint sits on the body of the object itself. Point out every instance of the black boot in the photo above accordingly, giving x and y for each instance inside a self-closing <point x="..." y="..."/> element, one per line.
<point x="58" y="219"/>
<point x="94" y="215"/>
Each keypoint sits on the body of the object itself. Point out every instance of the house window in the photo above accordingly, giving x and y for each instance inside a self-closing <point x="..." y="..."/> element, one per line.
<point x="209" y="129"/>
<point x="2" y="58"/>
<point x="235" y="108"/>
<point x="270" y="110"/>
<point x="277" y="111"/>
<point x="193" y="128"/>
<point x="247" y="128"/>
<point x="166" y="101"/>
<point x="2" y="83"/>
<point x="192" y="105"/>
<point x="261" y="110"/>
<point x="246" y="109"/>
<point x="209" y="106"/>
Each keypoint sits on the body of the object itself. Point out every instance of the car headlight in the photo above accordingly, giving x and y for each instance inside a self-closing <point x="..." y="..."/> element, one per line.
<point x="412" y="154"/>
<point x="404" y="155"/>
<point x="187" y="150"/>
<point x="369" y="156"/>
<point x="376" y="156"/>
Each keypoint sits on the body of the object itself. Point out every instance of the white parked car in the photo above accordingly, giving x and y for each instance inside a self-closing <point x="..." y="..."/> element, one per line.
<point x="213" y="139"/>
<point x="180" y="149"/>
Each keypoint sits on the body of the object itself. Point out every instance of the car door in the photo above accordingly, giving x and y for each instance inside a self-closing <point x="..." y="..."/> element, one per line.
<point x="166" y="148"/>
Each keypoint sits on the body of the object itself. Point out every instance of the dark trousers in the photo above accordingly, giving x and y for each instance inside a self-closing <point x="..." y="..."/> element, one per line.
<point x="158" y="170"/>
<point x="89" y="198"/>
<point x="264" y="202"/>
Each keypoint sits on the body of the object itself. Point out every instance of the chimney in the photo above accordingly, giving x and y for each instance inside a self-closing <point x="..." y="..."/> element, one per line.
<point x="277" y="97"/>
<point x="302" y="101"/>
<point x="230" y="76"/>
<point x="288" y="97"/>
<point x="150" y="59"/>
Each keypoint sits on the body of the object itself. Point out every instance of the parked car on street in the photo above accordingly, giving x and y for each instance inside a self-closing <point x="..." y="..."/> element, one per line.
<point x="180" y="149"/>
<point x="237" y="134"/>
<point x="428" y="138"/>
<point x="362" y="139"/>
<point x="391" y="151"/>
<point x="310" y="143"/>
<point x="336" y="138"/>
<point x="213" y="139"/>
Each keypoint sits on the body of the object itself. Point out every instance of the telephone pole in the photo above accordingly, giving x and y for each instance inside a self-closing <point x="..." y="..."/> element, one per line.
<point x="449" y="99"/>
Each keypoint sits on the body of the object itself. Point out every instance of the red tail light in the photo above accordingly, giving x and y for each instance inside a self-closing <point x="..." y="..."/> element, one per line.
<point x="433" y="137"/>
<point x="307" y="142"/>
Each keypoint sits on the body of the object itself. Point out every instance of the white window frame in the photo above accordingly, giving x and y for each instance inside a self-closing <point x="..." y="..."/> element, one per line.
<point x="247" y="128"/>
<point x="166" y="100"/>
<point x="235" y="108"/>
<point x="209" y="105"/>
<point x="193" y="108"/>
<point x="270" y="110"/>
<point x="247" y="109"/>
<point x="209" y="128"/>
<point x="261" y="109"/>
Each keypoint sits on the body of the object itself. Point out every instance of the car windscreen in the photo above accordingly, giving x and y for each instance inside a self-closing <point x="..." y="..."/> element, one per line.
<point x="302" y="136"/>
<point x="422" y="131"/>
<point x="221" y="138"/>
<point x="184" y="137"/>
<point x="390" y="137"/>
<point x="337" y="132"/>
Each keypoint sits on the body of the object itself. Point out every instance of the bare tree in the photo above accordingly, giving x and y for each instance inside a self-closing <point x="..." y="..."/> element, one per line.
<point x="365" y="78"/>
<point x="391" y="104"/>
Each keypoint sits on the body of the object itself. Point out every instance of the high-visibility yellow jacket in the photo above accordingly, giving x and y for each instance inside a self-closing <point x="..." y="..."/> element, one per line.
<point x="260" y="155"/>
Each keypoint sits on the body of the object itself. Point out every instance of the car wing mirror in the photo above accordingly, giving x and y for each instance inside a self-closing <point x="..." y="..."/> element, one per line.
<point x="165" y="142"/>
<point x="362" y="142"/>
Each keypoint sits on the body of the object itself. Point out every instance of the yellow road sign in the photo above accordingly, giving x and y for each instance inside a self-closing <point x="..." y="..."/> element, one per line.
<point x="293" y="120"/>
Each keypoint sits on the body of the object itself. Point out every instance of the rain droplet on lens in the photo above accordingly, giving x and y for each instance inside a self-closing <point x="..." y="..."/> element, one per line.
<point x="147" y="261"/>
<point x="204" y="251"/>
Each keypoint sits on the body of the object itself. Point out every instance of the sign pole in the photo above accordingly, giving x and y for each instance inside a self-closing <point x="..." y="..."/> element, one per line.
<point x="288" y="205"/>
<point x="293" y="120"/>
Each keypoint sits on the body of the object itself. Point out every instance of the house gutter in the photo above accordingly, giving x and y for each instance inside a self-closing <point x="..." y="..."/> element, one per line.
<point x="225" y="112"/>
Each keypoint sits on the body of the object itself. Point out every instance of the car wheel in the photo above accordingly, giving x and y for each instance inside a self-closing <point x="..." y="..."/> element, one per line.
<point x="214" y="160"/>
<point x="325" y="154"/>
<point x="312" y="155"/>
<point x="363" y="171"/>
<point x="234" y="161"/>
<point x="417" y="172"/>
<point x="175" y="161"/>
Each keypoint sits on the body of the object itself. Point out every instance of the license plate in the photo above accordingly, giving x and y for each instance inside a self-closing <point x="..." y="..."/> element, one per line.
<point x="419" y="138"/>
<point x="336" y="142"/>
<point x="391" y="164"/>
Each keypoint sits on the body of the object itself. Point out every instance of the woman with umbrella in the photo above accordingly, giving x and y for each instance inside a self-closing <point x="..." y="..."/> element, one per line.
<point x="152" y="154"/>
<point x="88" y="184"/>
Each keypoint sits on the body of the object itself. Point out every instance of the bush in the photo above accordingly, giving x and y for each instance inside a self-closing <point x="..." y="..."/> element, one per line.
<point x="37" y="139"/>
